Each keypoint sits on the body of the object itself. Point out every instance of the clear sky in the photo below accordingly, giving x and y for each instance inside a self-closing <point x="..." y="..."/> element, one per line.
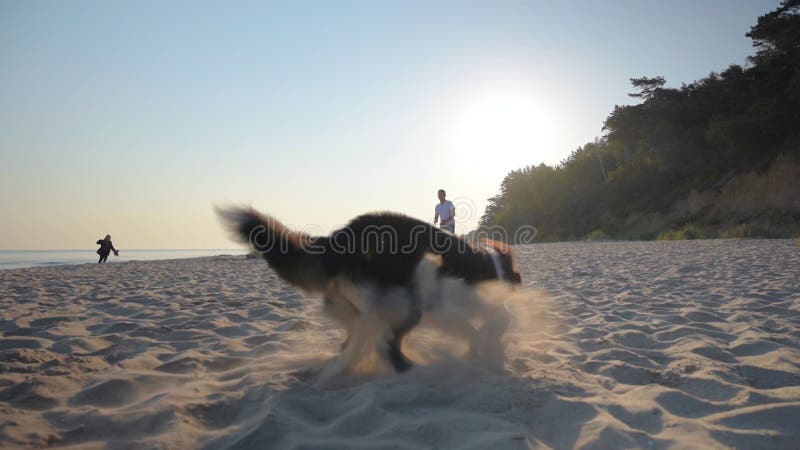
<point x="134" y="118"/>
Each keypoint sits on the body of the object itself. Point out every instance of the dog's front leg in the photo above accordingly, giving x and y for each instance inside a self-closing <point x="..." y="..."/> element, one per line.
<point x="399" y="329"/>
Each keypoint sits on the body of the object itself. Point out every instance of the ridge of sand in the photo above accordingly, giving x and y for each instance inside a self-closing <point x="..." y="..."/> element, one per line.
<point x="689" y="344"/>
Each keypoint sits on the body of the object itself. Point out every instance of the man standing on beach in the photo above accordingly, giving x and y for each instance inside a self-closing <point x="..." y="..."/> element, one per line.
<point x="446" y="212"/>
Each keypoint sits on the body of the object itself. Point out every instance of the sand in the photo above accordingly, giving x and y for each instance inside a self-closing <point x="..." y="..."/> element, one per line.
<point x="692" y="344"/>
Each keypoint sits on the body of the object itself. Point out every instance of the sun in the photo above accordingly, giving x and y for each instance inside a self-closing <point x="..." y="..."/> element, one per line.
<point x="502" y="131"/>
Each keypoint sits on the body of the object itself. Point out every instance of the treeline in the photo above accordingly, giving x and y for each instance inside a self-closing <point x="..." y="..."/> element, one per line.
<point x="655" y="153"/>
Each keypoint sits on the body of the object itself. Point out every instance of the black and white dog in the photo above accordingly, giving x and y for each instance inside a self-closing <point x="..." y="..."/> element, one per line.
<point x="388" y="268"/>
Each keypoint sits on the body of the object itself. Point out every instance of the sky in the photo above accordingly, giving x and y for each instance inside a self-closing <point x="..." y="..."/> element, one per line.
<point x="135" y="118"/>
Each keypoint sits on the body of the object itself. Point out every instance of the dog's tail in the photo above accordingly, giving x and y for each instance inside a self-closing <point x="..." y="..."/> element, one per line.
<point x="294" y="256"/>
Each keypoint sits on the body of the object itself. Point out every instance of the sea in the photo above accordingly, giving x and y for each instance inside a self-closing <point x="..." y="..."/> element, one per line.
<point x="16" y="259"/>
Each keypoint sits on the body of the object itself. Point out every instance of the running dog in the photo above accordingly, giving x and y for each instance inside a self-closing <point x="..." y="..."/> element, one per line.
<point x="391" y="268"/>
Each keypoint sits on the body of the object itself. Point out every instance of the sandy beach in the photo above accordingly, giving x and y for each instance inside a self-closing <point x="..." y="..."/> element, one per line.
<point x="683" y="344"/>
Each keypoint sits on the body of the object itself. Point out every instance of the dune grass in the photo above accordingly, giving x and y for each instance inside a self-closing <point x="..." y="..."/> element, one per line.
<point x="596" y="235"/>
<point x="686" y="232"/>
<point x="737" y="232"/>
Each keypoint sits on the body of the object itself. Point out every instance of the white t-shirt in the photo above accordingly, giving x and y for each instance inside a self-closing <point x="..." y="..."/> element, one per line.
<point x="445" y="210"/>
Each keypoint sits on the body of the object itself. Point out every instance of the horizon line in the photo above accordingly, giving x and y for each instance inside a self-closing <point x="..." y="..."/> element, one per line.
<point x="129" y="249"/>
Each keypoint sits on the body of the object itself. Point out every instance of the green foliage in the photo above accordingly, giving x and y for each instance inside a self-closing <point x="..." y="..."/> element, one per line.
<point x="737" y="232"/>
<point x="596" y="235"/>
<point x="675" y="141"/>
<point x="686" y="232"/>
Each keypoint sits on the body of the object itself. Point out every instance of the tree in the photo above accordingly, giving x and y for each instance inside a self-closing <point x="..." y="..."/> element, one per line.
<point x="648" y="87"/>
<point x="777" y="33"/>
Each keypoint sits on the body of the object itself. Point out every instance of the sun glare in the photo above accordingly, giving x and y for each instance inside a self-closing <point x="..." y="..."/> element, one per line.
<point x="502" y="131"/>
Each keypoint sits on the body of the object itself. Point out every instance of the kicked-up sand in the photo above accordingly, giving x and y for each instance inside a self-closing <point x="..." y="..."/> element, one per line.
<point x="690" y="344"/>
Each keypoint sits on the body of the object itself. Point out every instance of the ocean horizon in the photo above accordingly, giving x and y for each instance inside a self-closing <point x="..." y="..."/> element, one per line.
<point x="19" y="259"/>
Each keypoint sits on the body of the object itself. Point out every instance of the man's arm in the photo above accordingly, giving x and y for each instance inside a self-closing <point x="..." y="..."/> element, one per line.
<point x="452" y="218"/>
<point x="436" y="216"/>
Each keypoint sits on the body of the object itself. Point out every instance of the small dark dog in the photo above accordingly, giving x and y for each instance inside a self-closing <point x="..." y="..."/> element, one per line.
<point x="389" y="267"/>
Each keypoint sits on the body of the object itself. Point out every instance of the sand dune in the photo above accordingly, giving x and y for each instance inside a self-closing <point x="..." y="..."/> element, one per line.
<point x="613" y="345"/>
